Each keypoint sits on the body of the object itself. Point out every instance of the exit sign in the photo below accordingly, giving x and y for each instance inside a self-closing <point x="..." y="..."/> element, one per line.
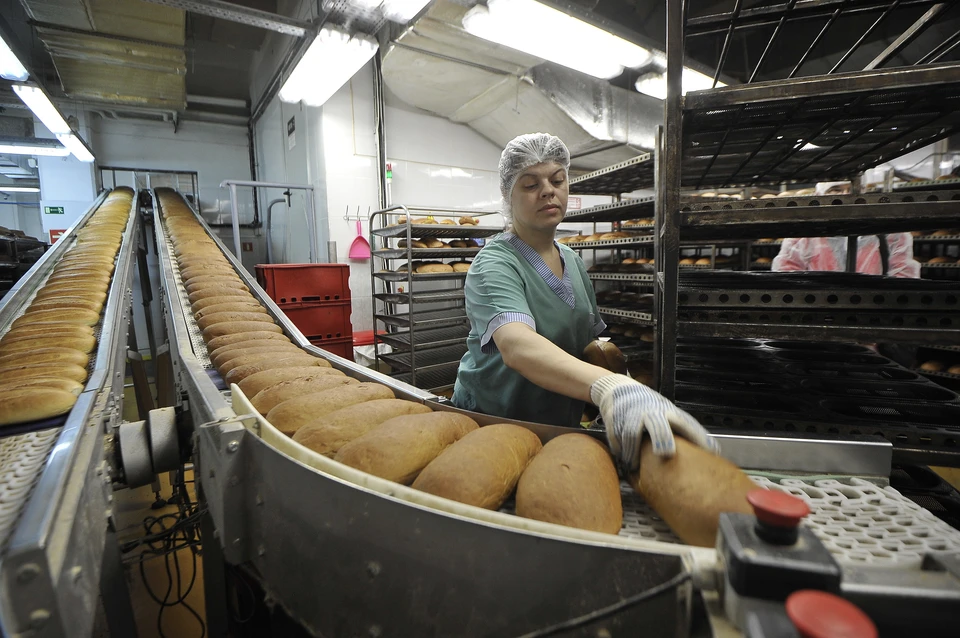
<point x="53" y="210"/>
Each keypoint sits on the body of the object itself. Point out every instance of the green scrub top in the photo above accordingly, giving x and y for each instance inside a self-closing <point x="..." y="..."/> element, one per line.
<point x="508" y="282"/>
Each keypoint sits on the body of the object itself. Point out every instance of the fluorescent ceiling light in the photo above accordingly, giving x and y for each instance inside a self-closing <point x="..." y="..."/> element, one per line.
<point x="10" y="66"/>
<point x="24" y="149"/>
<point x="19" y="189"/>
<point x="655" y="84"/>
<point x="331" y="60"/>
<point x="76" y="146"/>
<point x="43" y="108"/>
<point x="544" y="32"/>
<point x="401" y="11"/>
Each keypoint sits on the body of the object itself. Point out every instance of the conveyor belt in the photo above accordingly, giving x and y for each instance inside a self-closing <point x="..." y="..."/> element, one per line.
<point x="50" y="504"/>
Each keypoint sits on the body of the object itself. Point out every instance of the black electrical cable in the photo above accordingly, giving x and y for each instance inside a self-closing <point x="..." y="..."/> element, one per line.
<point x="600" y="614"/>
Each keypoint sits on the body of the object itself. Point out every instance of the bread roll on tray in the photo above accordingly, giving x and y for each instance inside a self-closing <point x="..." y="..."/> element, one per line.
<point x="233" y="317"/>
<point x="77" y="316"/>
<point x="26" y="404"/>
<point x="572" y="482"/>
<point x="483" y="467"/>
<point x="233" y="327"/>
<point x="48" y="329"/>
<point x="65" y="370"/>
<point x="399" y="448"/>
<point x="55" y="303"/>
<point x="218" y="291"/>
<point x="256" y="335"/>
<point x="222" y="355"/>
<point x="329" y="433"/>
<point x="691" y="489"/>
<point x="241" y="359"/>
<point x="266" y="400"/>
<point x="57" y="383"/>
<point x="260" y="381"/>
<point x="238" y="374"/>
<point x="83" y="343"/>
<point x="229" y="307"/>
<point x="290" y="416"/>
<point x="46" y="355"/>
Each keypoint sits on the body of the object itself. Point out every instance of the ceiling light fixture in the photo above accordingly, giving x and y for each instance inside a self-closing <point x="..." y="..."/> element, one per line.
<point x="401" y="11"/>
<point x="558" y="37"/>
<point x="19" y="189"/>
<point x="76" y="146"/>
<point x="10" y="66"/>
<point x="332" y="59"/>
<point x="655" y="84"/>
<point x="26" y="149"/>
<point x="38" y="102"/>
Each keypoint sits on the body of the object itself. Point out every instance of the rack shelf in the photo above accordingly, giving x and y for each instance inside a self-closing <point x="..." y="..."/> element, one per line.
<point x="428" y="319"/>
<point x="425" y="253"/>
<point x="823" y="128"/>
<point x="618" y="211"/>
<point x="624" y="277"/>
<point x="738" y="330"/>
<point x="437" y="380"/>
<point x="938" y="238"/>
<point x="426" y="338"/>
<point x="629" y="316"/>
<point x="426" y="360"/>
<point x="626" y="242"/>
<point x="430" y="296"/>
<point x="625" y="177"/>
<point x="819" y="221"/>
<point x="928" y="184"/>
<point x="401" y="277"/>
<point x="439" y="231"/>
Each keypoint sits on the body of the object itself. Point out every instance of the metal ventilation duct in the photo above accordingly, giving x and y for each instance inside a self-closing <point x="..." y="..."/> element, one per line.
<point x="501" y="93"/>
<point x="117" y="51"/>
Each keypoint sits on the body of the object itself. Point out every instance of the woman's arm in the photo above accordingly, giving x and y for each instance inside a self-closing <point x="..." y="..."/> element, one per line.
<point x="541" y="362"/>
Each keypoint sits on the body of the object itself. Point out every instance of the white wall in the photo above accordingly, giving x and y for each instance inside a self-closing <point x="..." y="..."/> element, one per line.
<point x="214" y="151"/>
<point x="65" y="182"/>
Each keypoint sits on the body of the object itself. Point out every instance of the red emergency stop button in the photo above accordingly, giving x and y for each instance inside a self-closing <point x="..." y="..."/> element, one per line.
<point x="817" y="614"/>
<point x="777" y="508"/>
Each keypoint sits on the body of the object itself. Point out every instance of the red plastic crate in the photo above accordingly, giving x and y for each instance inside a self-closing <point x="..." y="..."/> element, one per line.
<point x="327" y="322"/>
<point x="303" y="284"/>
<point x="339" y="347"/>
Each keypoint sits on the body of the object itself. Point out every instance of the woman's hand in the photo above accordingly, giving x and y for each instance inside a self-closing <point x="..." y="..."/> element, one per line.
<point x="630" y="409"/>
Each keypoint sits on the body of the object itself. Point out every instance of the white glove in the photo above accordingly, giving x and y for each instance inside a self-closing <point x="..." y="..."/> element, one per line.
<point x="630" y="408"/>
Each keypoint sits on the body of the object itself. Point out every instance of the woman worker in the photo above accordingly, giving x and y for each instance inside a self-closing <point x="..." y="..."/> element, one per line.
<point x="532" y="311"/>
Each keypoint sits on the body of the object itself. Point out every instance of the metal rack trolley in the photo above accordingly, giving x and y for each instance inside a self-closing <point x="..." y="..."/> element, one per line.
<point x="56" y="536"/>
<point x="427" y="343"/>
<point x="814" y="128"/>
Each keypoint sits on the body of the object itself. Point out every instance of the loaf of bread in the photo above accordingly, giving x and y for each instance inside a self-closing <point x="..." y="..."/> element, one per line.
<point x="399" y="448"/>
<point x="691" y="489"/>
<point x="65" y="303"/>
<point x="57" y="383"/>
<point x="331" y="432"/>
<point x="236" y="375"/>
<point x="203" y="283"/>
<point x="290" y="416"/>
<point x="72" y="291"/>
<point x="932" y="366"/>
<point x="48" y="329"/>
<point x="433" y="268"/>
<point x="217" y="291"/>
<point x="83" y="343"/>
<point x="460" y="266"/>
<point x="469" y="221"/>
<point x="483" y="467"/>
<point x="256" y="335"/>
<point x="605" y="355"/>
<point x="233" y="317"/>
<point x="266" y="400"/>
<point x="572" y="482"/>
<point x="953" y="369"/>
<point x="64" y="370"/>
<point x="414" y="243"/>
<point x="233" y="327"/>
<point x="46" y="355"/>
<point x="229" y="307"/>
<point x="206" y="269"/>
<point x="223" y="356"/>
<point x="253" y="357"/>
<point x="32" y="403"/>
<point x="260" y="381"/>
<point x="78" y="316"/>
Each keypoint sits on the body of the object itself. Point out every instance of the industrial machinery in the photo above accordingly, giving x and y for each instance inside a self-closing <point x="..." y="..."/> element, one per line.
<point x="344" y="553"/>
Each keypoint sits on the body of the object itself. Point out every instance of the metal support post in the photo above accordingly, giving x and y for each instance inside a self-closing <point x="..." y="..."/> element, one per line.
<point x="114" y="592"/>
<point x="852" y="253"/>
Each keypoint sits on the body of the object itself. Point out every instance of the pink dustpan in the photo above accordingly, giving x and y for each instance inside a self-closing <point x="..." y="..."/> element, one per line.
<point x="360" y="248"/>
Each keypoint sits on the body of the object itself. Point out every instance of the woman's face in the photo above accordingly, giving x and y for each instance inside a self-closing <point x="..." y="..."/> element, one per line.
<point x="539" y="198"/>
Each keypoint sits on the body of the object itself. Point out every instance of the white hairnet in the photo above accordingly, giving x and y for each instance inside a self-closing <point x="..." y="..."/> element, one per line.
<point x="525" y="151"/>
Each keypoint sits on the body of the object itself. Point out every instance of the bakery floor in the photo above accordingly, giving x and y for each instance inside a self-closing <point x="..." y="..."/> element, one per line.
<point x="131" y="507"/>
